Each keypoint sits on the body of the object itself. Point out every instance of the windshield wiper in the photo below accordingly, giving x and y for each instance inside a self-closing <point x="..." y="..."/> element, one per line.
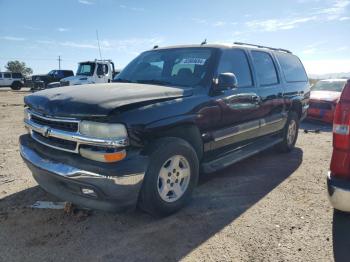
<point x="153" y="81"/>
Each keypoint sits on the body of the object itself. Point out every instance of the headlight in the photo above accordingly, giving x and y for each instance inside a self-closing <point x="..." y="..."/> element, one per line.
<point x="102" y="130"/>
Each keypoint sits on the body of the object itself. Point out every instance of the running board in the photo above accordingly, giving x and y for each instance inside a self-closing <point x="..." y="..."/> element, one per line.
<point x="240" y="154"/>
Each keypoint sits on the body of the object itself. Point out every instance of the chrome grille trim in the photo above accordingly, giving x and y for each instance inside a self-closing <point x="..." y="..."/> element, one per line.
<point x="76" y="137"/>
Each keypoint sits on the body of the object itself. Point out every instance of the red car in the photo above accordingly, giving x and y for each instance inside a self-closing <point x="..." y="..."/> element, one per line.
<point x="323" y="99"/>
<point x="338" y="179"/>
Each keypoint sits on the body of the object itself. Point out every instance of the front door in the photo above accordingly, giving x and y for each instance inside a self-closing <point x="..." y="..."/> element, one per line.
<point x="7" y="79"/>
<point x="102" y="73"/>
<point x="240" y="106"/>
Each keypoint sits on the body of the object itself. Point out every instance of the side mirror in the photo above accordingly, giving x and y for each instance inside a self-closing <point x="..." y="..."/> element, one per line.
<point x="226" y="81"/>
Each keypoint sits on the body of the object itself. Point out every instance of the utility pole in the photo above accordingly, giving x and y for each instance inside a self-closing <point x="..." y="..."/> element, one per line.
<point x="59" y="62"/>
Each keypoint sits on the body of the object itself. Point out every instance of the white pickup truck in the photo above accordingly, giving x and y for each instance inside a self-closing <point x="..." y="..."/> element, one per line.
<point x="91" y="72"/>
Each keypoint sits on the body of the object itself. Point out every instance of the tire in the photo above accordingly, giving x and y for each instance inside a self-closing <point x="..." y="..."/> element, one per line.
<point x="16" y="86"/>
<point x="290" y="133"/>
<point x="173" y="167"/>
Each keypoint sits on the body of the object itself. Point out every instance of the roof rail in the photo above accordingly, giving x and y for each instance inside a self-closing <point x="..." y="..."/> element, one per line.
<point x="261" y="46"/>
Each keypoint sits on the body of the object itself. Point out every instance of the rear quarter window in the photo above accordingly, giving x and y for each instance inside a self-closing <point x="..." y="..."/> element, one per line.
<point x="292" y="68"/>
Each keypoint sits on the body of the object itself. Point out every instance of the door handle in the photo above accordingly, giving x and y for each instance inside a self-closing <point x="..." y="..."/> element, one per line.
<point x="256" y="100"/>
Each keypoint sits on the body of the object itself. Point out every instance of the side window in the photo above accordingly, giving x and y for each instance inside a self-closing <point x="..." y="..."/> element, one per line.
<point x="265" y="68"/>
<point x="235" y="61"/>
<point x="7" y="75"/>
<point x="60" y="74"/>
<point x="292" y="68"/>
<point x="99" y="70"/>
<point x="0" y="75"/>
<point x="102" y="69"/>
<point x="67" y="73"/>
<point x="16" y="75"/>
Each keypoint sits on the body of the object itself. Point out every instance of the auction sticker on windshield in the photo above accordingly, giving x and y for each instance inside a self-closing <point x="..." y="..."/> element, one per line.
<point x="193" y="61"/>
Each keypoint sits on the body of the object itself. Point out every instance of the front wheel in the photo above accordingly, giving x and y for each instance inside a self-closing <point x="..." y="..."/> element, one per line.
<point x="290" y="133"/>
<point x="171" y="177"/>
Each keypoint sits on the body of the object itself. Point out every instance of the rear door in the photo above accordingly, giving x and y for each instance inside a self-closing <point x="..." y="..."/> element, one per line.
<point x="270" y="89"/>
<point x="240" y="106"/>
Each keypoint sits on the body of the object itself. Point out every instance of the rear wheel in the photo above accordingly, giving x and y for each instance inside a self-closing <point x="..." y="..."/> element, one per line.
<point x="171" y="177"/>
<point x="290" y="133"/>
<point x="16" y="86"/>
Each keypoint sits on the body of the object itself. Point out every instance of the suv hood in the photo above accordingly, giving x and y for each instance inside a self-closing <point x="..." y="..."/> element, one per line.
<point x="97" y="99"/>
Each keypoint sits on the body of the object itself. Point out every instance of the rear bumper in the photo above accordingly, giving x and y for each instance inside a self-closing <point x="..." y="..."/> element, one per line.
<point x="111" y="189"/>
<point x="339" y="193"/>
<point x="320" y="115"/>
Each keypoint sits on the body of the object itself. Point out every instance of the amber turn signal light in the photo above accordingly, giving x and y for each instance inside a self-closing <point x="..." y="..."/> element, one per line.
<point x="114" y="157"/>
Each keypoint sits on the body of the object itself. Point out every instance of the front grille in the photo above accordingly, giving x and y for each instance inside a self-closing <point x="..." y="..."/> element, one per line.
<point x="55" y="142"/>
<point x="319" y="105"/>
<point x="61" y="125"/>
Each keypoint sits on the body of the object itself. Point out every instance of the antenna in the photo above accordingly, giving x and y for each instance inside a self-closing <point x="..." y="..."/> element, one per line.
<point x="59" y="62"/>
<point x="98" y="42"/>
<point x="204" y="42"/>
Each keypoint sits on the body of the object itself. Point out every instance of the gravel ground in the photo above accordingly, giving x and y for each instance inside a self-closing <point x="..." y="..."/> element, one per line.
<point x="271" y="207"/>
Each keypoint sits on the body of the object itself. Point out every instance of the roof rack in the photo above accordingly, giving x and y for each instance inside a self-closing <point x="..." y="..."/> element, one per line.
<point x="261" y="46"/>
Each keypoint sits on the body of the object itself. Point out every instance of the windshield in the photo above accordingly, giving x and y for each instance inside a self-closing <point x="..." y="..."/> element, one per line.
<point x="329" y="86"/>
<point x="184" y="67"/>
<point x="52" y="72"/>
<point x="86" y="69"/>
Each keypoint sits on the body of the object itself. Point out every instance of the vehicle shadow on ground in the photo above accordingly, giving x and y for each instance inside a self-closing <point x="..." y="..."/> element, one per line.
<point x="312" y="125"/>
<point x="219" y="199"/>
<point x="341" y="236"/>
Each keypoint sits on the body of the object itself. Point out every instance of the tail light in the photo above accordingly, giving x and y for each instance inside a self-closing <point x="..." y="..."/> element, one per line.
<point x="340" y="164"/>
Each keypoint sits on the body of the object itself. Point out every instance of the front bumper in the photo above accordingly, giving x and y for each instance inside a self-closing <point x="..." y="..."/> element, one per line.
<point x="104" y="186"/>
<point x="339" y="193"/>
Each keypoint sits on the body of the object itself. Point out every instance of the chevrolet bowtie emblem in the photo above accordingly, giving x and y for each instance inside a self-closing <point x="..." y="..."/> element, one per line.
<point x="46" y="131"/>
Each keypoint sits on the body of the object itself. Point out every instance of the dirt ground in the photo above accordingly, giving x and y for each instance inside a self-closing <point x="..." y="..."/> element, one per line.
<point x="271" y="207"/>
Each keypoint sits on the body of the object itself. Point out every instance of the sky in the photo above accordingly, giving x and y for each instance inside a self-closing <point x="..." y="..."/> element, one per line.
<point x="38" y="31"/>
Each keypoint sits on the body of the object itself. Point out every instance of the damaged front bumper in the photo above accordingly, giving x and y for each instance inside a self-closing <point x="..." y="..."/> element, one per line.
<point x="104" y="186"/>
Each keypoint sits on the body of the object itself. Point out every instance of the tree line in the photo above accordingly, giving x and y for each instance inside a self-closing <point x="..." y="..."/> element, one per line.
<point x="18" y="67"/>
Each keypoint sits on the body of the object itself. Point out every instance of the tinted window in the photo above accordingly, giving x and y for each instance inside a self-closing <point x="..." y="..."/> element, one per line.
<point x="292" y="68"/>
<point x="102" y="69"/>
<point x="7" y="75"/>
<point x="68" y="73"/>
<point x="16" y="75"/>
<point x="0" y="75"/>
<point x="265" y="68"/>
<point x="235" y="61"/>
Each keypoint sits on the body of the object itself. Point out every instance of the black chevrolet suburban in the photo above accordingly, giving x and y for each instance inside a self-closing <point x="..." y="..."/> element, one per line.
<point x="173" y="113"/>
